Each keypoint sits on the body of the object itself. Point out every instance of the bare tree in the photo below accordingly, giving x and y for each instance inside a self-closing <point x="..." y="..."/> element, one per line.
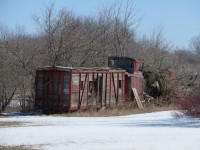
<point x="123" y="22"/>
<point x="59" y="34"/>
<point x="156" y="53"/>
<point x="8" y="84"/>
<point x="188" y="68"/>
<point x="21" y="59"/>
<point x="195" y="44"/>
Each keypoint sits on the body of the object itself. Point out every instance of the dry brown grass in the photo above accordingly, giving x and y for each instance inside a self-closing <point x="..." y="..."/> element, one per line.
<point x="10" y="124"/>
<point x="22" y="147"/>
<point x="2" y="116"/>
<point x="120" y="110"/>
<point x="12" y="109"/>
<point x="124" y="108"/>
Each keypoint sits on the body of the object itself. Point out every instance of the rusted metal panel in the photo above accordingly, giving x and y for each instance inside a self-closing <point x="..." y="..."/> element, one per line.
<point x="52" y="89"/>
<point x="66" y="91"/>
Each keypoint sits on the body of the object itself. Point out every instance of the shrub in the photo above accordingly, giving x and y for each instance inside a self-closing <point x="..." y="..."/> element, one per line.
<point x="189" y="106"/>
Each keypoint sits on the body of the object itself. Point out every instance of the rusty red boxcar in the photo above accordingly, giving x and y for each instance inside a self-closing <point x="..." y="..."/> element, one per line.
<point x="64" y="89"/>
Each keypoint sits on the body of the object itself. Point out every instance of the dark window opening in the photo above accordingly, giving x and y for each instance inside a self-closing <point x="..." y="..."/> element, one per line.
<point x="81" y="85"/>
<point x="120" y="84"/>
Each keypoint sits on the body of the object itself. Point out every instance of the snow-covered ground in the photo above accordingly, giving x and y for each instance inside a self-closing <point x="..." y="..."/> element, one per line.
<point x="153" y="131"/>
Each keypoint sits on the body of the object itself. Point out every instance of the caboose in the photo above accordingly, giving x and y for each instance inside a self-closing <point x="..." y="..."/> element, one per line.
<point x="62" y="89"/>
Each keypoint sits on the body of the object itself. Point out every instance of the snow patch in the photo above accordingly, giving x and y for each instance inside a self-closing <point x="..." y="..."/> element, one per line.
<point x="142" y="131"/>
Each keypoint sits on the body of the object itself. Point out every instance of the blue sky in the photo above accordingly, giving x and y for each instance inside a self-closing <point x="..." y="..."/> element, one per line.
<point x="180" y="18"/>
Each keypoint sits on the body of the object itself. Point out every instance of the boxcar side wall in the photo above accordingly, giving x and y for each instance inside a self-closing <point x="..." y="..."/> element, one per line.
<point x="60" y="90"/>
